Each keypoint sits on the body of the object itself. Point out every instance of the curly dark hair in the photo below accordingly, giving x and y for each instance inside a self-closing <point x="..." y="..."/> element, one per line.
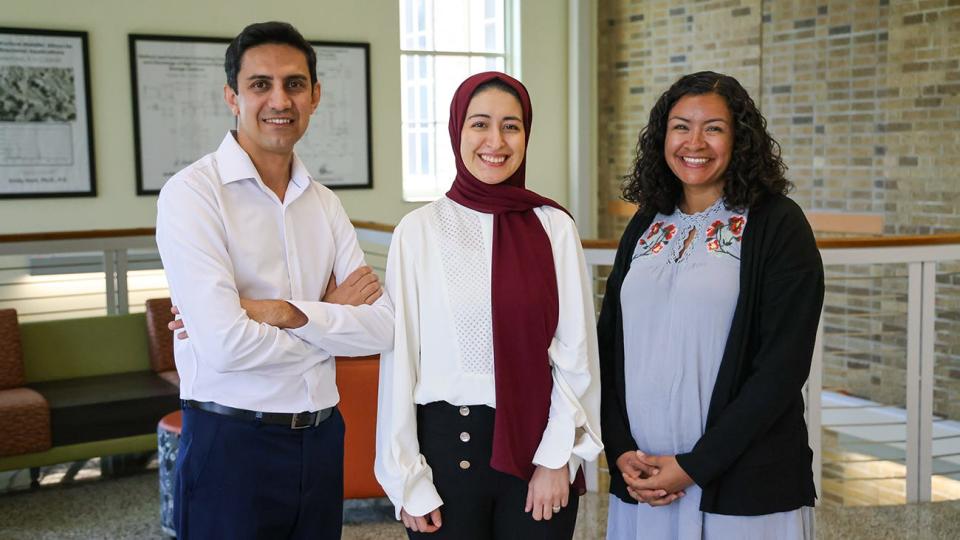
<point x="755" y="169"/>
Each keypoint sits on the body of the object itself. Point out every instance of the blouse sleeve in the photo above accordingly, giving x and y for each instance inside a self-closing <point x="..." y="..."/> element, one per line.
<point x="399" y="466"/>
<point x="572" y="434"/>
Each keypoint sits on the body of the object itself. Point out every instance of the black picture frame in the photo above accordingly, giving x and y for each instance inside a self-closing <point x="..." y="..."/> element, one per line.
<point x="204" y="117"/>
<point x="48" y="116"/>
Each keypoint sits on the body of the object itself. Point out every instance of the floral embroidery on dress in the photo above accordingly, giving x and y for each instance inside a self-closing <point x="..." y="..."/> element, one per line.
<point x="721" y="235"/>
<point x="657" y="238"/>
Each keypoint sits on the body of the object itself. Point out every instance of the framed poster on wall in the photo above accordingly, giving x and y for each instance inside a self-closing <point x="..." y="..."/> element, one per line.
<point x="46" y="127"/>
<point x="179" y="113"/>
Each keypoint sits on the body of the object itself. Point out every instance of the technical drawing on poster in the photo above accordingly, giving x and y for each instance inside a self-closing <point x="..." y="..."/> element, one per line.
<point x="180" y="114"/>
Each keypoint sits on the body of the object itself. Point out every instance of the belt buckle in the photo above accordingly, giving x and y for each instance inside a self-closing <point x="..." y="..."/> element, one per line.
<point x="295" y="416"/>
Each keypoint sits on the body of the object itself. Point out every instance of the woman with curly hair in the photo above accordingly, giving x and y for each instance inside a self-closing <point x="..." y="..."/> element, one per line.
<point x="707" y="329"/>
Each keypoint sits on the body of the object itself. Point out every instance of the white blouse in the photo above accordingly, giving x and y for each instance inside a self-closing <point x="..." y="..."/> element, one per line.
<point x="438" y="276"/>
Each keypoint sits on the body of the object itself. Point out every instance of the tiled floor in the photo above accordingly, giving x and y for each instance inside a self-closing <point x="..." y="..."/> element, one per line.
<point x="591" y="523"/>
<point x="127" y="508"/>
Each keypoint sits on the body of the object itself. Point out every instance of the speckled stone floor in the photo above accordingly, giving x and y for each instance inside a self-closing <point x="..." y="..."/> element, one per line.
<point x="126" y="508"/>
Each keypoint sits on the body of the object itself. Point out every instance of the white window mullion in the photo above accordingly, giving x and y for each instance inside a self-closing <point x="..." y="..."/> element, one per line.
<point x="426" y="174"/>
<point x="511" y="36"/>
<point x="431" y="24"/>
<point x="435" y="180"/>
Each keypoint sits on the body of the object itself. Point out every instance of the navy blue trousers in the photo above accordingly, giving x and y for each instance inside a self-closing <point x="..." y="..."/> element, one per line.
<point x="240" y="479"/>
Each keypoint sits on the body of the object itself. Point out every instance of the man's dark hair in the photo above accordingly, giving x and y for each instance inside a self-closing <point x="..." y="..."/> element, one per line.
<point x="755" y="168"/>
<point x="261" y="34"/>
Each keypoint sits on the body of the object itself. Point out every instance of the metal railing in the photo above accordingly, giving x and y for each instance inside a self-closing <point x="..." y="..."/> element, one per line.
<point x="921" y="257"/>
<point x="38" y="271"/>
<point x="121" y="289"/>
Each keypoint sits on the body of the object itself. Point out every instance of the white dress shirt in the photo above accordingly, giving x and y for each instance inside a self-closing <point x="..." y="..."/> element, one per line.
<point x="438" y="277"/>
<point x="223" y="235"/>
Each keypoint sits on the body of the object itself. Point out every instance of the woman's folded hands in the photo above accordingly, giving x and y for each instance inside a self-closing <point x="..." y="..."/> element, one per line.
<point x="655" y="480"/>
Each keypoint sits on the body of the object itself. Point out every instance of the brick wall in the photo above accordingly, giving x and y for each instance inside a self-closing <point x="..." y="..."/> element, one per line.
<point x="863" y="96"/>
<point x="643" y="48"/>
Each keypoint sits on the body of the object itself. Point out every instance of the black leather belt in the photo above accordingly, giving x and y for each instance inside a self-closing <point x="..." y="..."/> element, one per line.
<point x="292" y="420"/>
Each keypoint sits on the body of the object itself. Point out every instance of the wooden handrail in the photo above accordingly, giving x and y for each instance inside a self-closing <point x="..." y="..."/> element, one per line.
<point x="822" y="243"/>
<point x="821" y="222"/>
<point x="75" y="235"/>
<point x="599" y="243"/>
<point x="889" y="241"/>
<point x="143" y="231"/>
<point x="838" y="243"/>
<point x="373" y="226"/>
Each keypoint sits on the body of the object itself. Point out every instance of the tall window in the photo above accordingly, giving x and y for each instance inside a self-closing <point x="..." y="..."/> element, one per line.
<point x="442" y="42"/>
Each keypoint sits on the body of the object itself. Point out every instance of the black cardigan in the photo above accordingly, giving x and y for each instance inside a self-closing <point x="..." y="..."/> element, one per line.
<point x="753" y="457"/>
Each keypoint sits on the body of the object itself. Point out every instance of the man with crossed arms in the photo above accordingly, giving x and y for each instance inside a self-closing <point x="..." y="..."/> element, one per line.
<point x="253" y="249"/>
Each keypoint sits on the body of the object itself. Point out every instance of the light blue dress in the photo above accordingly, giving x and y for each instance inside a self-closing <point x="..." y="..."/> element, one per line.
<point x="677" y="307"/>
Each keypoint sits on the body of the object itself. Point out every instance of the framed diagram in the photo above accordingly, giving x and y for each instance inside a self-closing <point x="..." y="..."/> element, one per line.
<point x="179" y="113"/>
<point x="46" y="127"/>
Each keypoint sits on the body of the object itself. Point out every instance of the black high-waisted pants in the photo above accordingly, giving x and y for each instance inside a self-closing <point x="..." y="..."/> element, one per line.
<point x="479" y="503"/>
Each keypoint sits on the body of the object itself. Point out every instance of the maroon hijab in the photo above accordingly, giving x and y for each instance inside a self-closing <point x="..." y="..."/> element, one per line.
<point x="523" y="290"/>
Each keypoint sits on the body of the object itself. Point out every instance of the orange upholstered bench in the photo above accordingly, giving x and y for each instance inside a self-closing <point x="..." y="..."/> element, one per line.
<point x="357" y="383"/>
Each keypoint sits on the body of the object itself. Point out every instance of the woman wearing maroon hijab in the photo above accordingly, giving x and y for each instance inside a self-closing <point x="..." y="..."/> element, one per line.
<point x="489" y="401"/>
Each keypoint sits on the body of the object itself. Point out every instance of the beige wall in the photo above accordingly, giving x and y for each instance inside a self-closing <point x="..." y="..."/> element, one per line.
<point x="543" y="30"/>
<point x="544" y="71"/>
